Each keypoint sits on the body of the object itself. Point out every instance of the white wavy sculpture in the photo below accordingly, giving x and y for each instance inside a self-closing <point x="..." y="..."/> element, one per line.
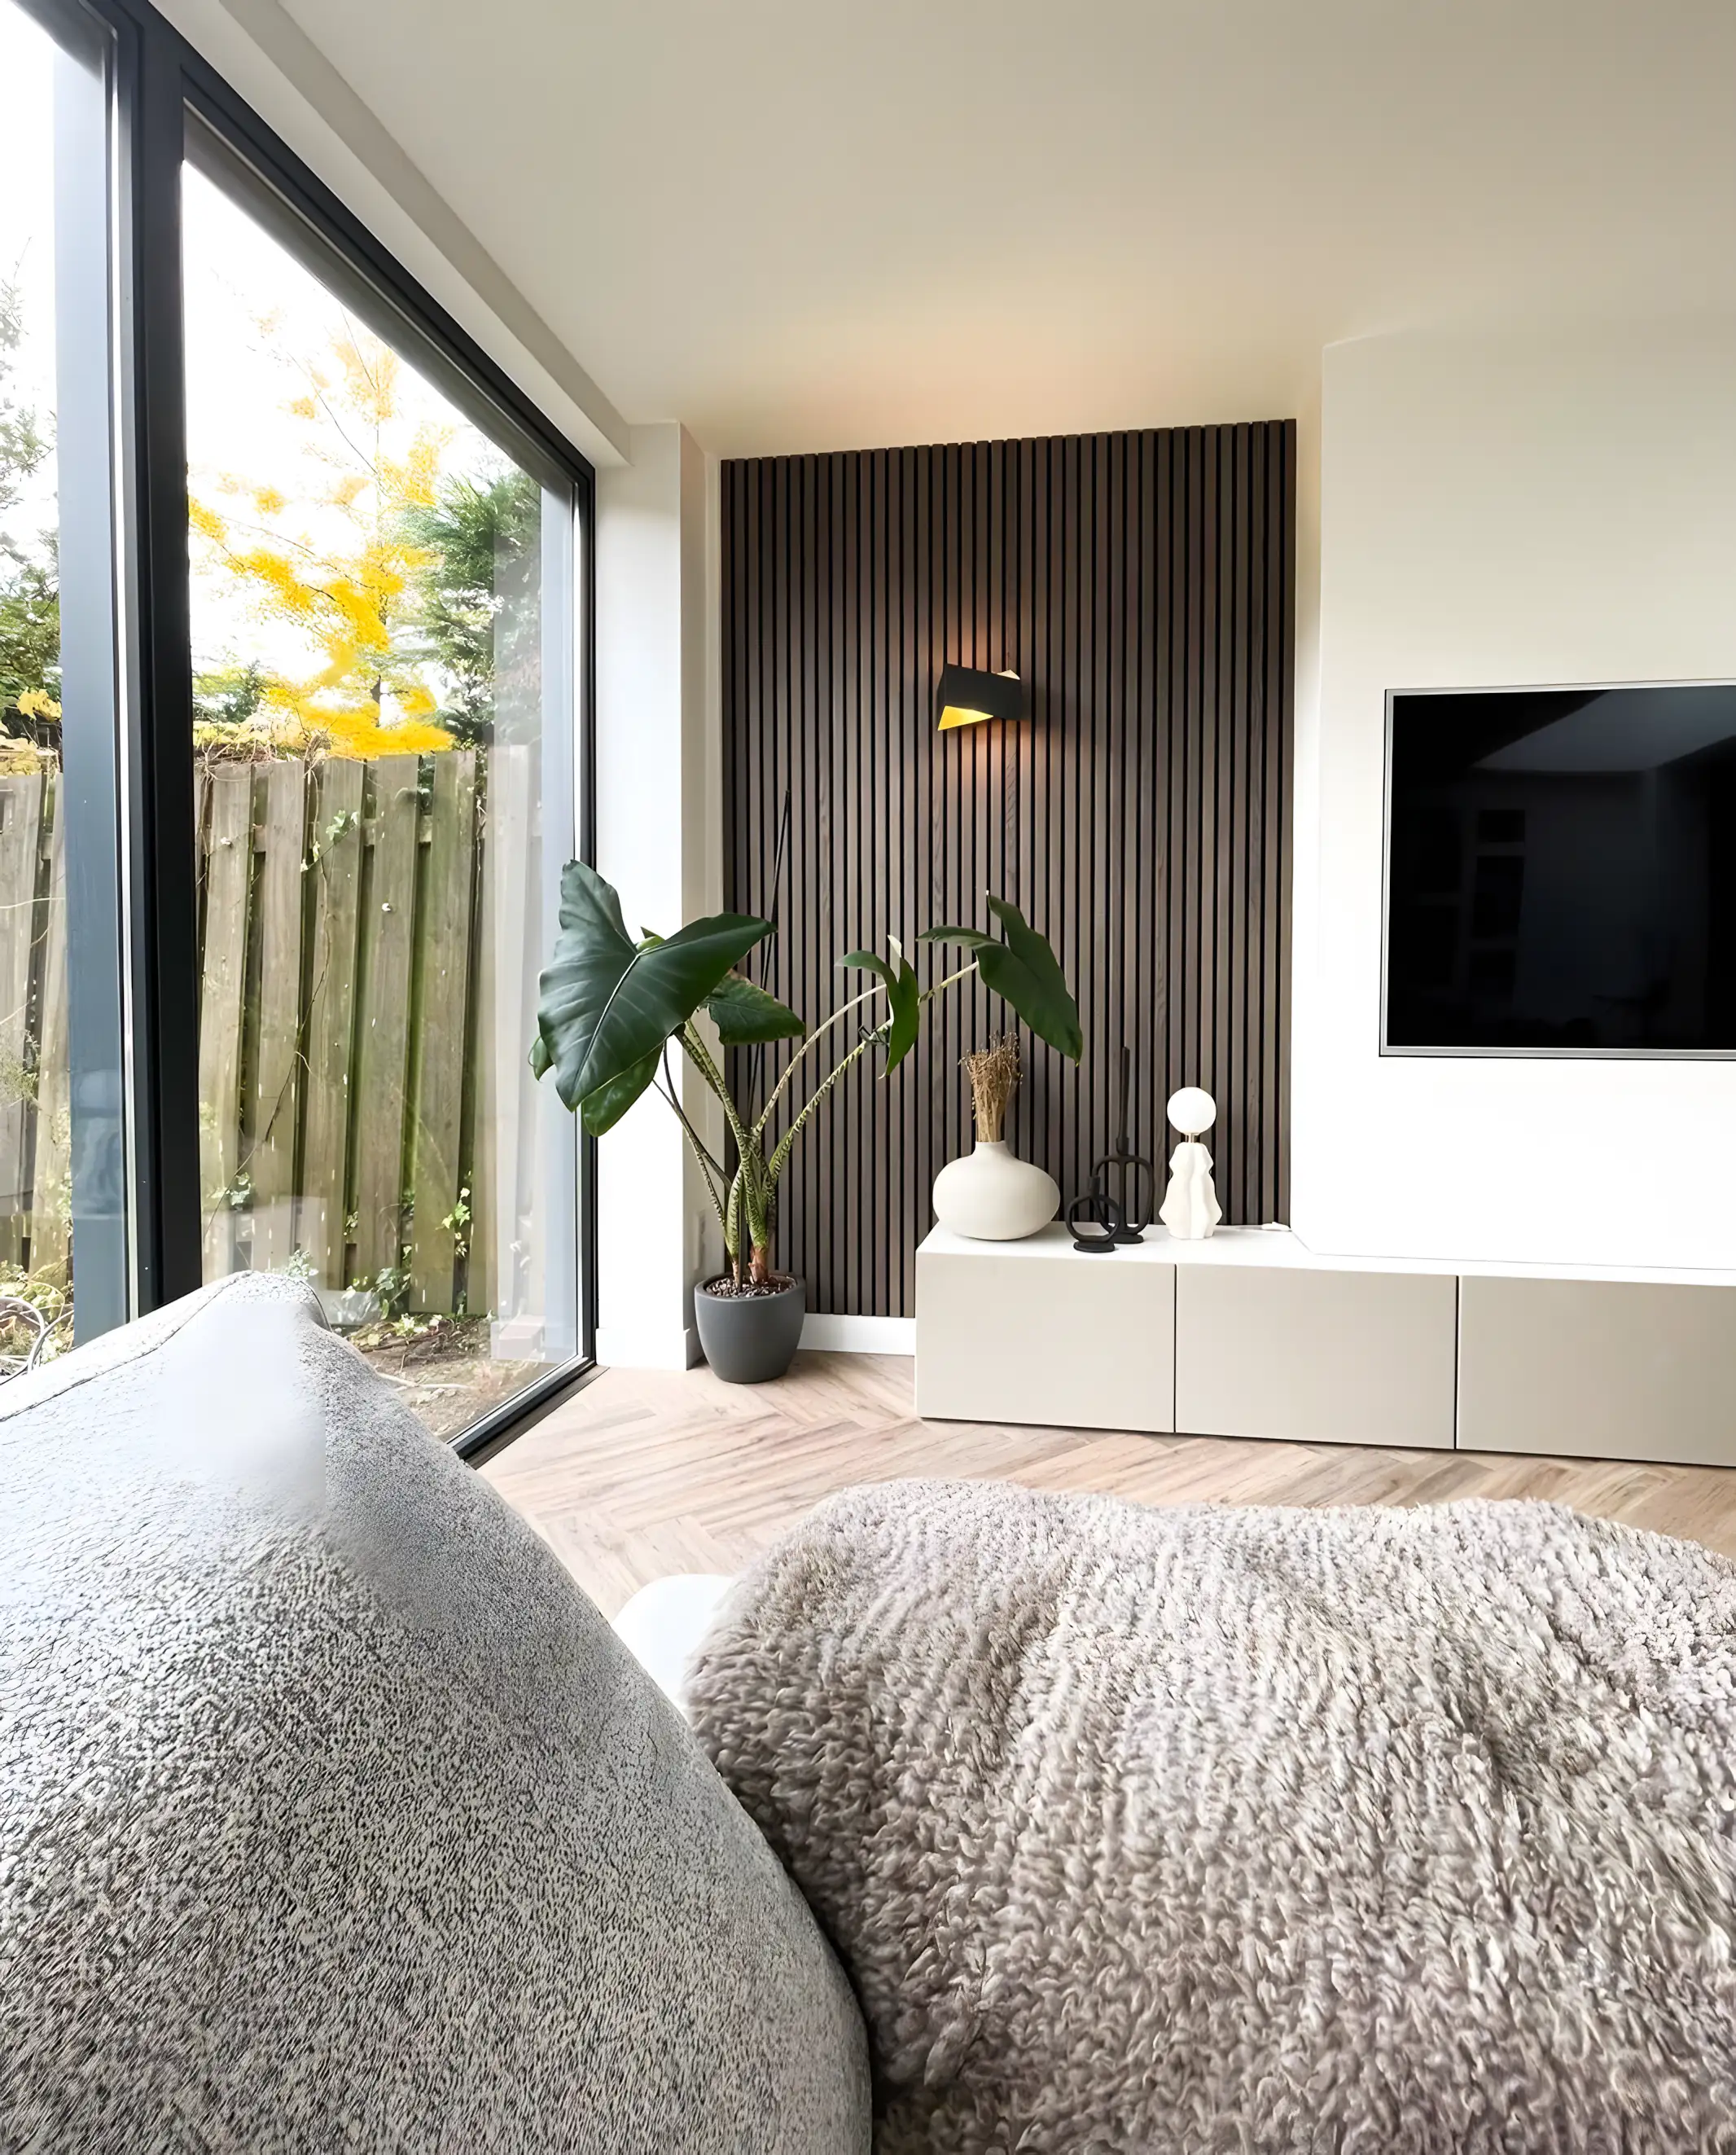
<point x="1190" y="1208"/>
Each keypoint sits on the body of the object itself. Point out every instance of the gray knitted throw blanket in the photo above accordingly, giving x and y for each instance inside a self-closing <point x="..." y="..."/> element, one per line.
<point x="1199" y="1829"/>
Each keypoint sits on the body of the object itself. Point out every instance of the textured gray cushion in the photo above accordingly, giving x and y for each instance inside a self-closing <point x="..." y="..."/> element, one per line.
<point x="1164" y="1832"/>
<point x="332" y="1815"/>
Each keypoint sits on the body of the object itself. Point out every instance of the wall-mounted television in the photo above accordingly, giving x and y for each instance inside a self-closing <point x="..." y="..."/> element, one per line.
<point x="1561" y="871"/>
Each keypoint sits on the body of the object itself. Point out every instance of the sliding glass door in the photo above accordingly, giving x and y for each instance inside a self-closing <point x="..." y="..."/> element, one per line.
<point x="381" y="607"/>
<point x="336" y="767"/>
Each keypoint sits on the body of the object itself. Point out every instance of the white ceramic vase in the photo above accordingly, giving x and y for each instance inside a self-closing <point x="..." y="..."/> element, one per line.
<point x="992" y="1196"/>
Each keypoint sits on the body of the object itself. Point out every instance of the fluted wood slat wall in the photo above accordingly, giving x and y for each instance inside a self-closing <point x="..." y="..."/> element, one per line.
<point x="1142" y="584"/>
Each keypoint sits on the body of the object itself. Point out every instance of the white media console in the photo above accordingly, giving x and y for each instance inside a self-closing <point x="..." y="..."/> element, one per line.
<point x="1250" y="1334"/>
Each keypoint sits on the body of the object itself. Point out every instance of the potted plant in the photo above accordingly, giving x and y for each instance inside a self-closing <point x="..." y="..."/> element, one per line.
<point x="610" y="1006"/>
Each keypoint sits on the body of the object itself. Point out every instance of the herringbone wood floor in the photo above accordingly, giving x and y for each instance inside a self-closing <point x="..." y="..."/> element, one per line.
<point x="644" y="1473"/>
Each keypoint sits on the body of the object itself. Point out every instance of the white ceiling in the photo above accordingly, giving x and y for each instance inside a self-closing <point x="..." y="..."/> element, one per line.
<point x="802" y="224"/>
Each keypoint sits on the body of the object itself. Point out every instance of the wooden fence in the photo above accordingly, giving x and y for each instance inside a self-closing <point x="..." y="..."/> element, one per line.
<point x="35" y="1116"/>
<point x="362" y="968"/>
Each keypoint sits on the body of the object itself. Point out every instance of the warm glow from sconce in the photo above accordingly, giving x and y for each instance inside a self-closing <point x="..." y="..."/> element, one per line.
<point x="967" y="697"/>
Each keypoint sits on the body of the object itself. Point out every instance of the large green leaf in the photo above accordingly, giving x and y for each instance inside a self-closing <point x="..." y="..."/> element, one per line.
<point x="973" y="938"/>
<point x="1023" y="970"/>
<point x="1027" y="973"/>
<point x="904" y="996"/>
<point x="603" y="1108"/>
<point x="744" y="1013"/>
<point x="605" y="1005"/>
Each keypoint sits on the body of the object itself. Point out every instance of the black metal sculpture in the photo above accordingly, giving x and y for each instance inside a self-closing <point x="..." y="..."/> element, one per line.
<point x="1095" y="1222"/>
<point x="1135" y="1190"/>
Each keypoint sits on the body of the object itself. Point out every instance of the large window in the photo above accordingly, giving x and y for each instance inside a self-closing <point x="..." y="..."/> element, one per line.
<point x="63" y="1181"/>
<point x="325" y="782"/>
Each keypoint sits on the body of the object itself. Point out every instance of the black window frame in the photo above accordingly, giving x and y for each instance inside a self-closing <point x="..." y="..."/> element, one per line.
<point x="160" y="81"/>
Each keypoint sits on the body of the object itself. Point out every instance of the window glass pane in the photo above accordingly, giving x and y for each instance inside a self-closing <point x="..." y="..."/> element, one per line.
<point x="382" y="630"/>
<point x="61" y="1177"/>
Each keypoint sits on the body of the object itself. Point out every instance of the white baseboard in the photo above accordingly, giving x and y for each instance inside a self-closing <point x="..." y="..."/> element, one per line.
<point x="859" y="1335"/>
<point x="623" y="1347"/>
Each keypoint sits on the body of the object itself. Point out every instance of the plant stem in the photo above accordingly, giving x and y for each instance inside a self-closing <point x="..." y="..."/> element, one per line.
<point x="775" y="1166"/>
<point x="707" y="1166"/>
<point x="750" y="1191"/>
<point x="702" y="1061"/>
<point x="963" y="973"/>
<point x="825" y="1026"/>
<point x="706" y="1157"/>
<point x="818" y="1034"/>
<point x="752" y="1188"/>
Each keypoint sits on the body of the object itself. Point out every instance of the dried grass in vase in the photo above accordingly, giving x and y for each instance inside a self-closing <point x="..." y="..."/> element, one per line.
<point x="993" y="1072"/>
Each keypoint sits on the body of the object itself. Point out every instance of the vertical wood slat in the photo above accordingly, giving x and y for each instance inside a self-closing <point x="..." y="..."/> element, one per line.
<point x="388" y="920"/>
<point x="334" y="866"/>
<point x="1143" y="583"/>
<point x="228" y="855"/>
<point x="275" y="1085"/>
<point x="443" y="971"/>
<point x="21" y="805"/>
<point x="51" y="1160"/>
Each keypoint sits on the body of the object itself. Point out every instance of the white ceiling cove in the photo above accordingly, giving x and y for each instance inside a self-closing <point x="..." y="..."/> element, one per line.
<point x="802" y="224"/>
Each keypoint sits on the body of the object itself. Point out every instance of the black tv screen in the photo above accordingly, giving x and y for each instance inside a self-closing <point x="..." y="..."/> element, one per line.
<point x="1561" y="871"/>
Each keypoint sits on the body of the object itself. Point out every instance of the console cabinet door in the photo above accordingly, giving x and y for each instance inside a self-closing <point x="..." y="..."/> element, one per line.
<point x="1076" y="1343"/>
<point x="1598" y="1369"/>
<point x="1315" y="1357"/>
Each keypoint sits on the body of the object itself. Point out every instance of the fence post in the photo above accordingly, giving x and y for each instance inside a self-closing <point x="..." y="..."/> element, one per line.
<point x="20" y="847"/>
<point x="228" y="854"/>
<point x="383" y="1031"/>
<point x="337" y="875"/>
<point x="442" y="990"/>
<point x="276" y="1085"/>
<point x="51" y="1156"/>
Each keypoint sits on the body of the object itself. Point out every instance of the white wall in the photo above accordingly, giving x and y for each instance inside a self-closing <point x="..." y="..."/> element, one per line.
<point x="1549" y="508"/>
<point x="658" y="760"/>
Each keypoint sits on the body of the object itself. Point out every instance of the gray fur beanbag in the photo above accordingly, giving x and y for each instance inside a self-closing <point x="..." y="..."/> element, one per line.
<point x="333" y="1816"/>
<point x="1398" y="1832"/>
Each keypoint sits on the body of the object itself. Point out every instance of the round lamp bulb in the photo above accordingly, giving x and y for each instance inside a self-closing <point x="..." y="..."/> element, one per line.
<point x="1192" y="1111"/>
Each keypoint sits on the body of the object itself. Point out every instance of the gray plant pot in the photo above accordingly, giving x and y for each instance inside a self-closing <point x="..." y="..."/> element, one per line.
<point x="750" y="1340"/>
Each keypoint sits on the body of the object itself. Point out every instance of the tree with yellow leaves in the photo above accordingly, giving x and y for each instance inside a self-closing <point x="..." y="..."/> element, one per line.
<point x="336" y="567"/>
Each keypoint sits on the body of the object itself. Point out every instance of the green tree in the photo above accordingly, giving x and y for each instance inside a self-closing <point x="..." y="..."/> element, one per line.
<point x="224" y="699"/>
<point x="25" y="446"/>
<point x="475" y="541"/>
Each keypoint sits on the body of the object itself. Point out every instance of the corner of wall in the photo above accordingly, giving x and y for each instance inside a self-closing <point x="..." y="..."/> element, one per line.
<point x="702" y="797"/>
<point x="1305" y="792"/>
<point x="658" y="759"/>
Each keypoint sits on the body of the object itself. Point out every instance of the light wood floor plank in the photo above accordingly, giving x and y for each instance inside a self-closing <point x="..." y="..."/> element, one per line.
<point x="646" y="1472"/>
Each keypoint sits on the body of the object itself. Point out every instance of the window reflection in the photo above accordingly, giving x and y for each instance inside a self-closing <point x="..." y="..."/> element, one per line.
<point x="382" y="713"/>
